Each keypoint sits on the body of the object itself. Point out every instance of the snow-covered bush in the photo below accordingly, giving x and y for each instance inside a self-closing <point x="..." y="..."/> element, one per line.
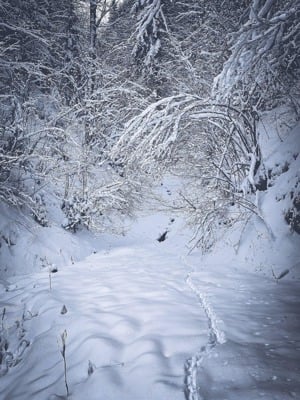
<point x="77" y="214"/>
<point x="40" y="210"/>
<point x="107" y="200"/>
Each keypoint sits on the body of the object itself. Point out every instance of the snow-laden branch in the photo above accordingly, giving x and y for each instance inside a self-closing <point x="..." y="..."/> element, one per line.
<point x="156" y="134"/>
<point x="150" y="22"/>
<point x="215" y="143"/>
<point x="264" y="55"/>
<point x="27" y="32"/>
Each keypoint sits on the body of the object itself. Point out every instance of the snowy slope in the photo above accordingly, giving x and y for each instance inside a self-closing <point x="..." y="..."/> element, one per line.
<point x="27" y="247"/>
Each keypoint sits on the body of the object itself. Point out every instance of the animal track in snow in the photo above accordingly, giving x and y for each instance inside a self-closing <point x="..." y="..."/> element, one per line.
<point x="216" y="337"/>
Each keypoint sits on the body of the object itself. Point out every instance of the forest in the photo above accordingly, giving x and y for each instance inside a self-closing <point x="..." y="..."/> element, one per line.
<point x="149" y="199"/>
<point x="99" y="99"/>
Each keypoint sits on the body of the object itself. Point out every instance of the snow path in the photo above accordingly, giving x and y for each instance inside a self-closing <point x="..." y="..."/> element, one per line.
<point x="142" y="324"/>
<point x="216" y="337"/>
<point x="130" y="319"/>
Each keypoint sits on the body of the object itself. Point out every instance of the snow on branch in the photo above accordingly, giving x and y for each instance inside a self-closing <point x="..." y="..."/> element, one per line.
<point x="151" y="20"/>
<point x="212" y="145"/>
<point x="154" y="136"/>
<point x="264" y="56"/>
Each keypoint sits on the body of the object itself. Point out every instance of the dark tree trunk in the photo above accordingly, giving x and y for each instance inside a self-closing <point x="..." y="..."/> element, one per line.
<point x="93" y="26"/>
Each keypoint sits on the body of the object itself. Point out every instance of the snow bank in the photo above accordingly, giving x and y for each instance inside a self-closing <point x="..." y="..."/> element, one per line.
<point x="27" y="247"/>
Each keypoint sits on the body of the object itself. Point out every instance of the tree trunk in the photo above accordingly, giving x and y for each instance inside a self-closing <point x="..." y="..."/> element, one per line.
<point x="93" y="26"/>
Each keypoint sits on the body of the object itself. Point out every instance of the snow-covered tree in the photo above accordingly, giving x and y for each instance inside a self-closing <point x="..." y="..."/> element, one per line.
<point x="196" y="47"/>
<point x="92" y="125"/>
<point x="33" y="39"/>
<point x="264" y="63"/>
<point x="174" y="46"/>
<point x="151" y="24"/>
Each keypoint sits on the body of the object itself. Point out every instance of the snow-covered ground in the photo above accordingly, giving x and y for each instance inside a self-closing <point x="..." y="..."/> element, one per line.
<point x="147" y="320"/>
